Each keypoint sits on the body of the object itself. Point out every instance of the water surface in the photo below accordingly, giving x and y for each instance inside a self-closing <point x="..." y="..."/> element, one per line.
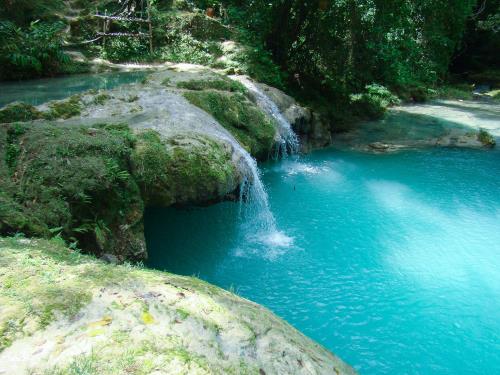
<point x="394" y="264"/>
<point x="39" y="91"/>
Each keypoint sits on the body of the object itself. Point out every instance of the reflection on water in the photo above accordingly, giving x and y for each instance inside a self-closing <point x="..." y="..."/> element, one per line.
<point x="39" y="91"/>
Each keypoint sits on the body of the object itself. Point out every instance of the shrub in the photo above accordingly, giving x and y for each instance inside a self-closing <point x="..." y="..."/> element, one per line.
<point x="373" y="103"/>
<point x="32" y="52"/>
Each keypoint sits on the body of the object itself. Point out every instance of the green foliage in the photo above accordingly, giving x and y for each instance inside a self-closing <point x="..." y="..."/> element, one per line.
<point x="32" y="52"/>
<point x="19" y="112"/>
<point x="22" y="12"/>
<point x="373" y="103"/>
<point x="240" y="116"/>
<point x="461" y="92"/>
<point x="486" y="138"/>
<point x="125" y="50"/>
<point x="70" y="180"/>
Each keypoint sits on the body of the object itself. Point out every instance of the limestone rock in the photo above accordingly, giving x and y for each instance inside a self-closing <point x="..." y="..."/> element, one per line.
<point x="63" y="311"/>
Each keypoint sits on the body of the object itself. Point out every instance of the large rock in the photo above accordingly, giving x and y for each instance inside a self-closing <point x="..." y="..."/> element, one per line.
<point x="103" y="156"/>
<point x="314" y="131"/>
<point x="61" y="312"/>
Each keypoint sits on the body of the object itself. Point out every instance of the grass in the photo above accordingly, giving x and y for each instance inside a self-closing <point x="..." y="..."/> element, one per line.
<point x="220" y="84"/>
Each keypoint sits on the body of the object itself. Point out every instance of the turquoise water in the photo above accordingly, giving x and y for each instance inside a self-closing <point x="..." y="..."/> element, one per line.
<point x="39" y="91"/>
<point x="395" y="260"/>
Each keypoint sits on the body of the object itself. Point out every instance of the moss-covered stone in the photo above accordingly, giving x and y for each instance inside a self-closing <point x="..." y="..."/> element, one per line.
<point x="63" y="313"/>
<point x="190" y="169"/>
<point x="221" y="84"/>
<point x="19" y="112"/>
<point x="486" y="138"/>
<point x="71" y="180"/>
<point x="64" y="109"/>
<point x="90" y="185"/>
<point x="241" y="117"/>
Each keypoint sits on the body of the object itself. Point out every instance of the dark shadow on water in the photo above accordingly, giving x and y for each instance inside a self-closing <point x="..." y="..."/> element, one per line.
<point x="191" y="241"/>
<point x="39" y="91"/>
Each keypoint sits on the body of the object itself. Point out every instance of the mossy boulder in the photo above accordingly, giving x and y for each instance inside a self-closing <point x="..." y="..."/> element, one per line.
<point x="246" y="122"/>
<point x="189" y="169"/>
<point x="19" y="112"/>
<point x="90" y="185"/>
<point x="66" y="313"/>
<point x="221" y="83"/>
<point x="72" y="181"/>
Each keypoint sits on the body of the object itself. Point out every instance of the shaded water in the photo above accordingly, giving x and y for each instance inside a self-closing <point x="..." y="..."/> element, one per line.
<point x="394" y="264"/>
<point x="39" y="91"/>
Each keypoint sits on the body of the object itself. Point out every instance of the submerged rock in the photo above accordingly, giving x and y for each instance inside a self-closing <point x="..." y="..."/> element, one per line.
<point x="420" y="126"/>
<point x="61" y="311"/>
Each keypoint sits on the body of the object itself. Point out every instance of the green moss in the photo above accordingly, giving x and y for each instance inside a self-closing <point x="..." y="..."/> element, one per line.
<point x="486" y="138"/>
<point x="494" y="94"/>
<point x="42" y="281"/>
<point x="166" y="82"/>
<point x="240" y="116"/>
<point x="19" y="112"/>
<point x="190" y="169"/>
<point x="64" y="109"/>
<point x="221" y="84"/>
<point x="101" y="99"/>
<point x="71" y="180"/>
<point x="183" y="313"/>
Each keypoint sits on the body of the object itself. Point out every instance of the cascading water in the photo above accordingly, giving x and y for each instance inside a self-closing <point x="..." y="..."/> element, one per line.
<point x="254" y="200"/>
<point x="288" y="142"/>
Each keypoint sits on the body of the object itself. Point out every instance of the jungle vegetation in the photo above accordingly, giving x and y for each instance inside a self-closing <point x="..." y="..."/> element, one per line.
<point x="325" y="51"/>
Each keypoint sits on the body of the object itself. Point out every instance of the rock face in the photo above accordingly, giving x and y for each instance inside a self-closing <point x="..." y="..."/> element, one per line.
<point x="61" y="312"/>
<point x="314" y="131"/>
<point x="104" y="156"/>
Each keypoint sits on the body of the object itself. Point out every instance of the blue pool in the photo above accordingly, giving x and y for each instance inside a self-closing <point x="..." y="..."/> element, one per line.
<point x="394" y="263"/>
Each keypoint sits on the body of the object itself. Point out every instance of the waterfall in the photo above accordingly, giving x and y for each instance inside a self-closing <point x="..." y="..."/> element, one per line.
<point x="288" y="142"/>
<point x="255" y="210"/>
<point x="254" y="201"/>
